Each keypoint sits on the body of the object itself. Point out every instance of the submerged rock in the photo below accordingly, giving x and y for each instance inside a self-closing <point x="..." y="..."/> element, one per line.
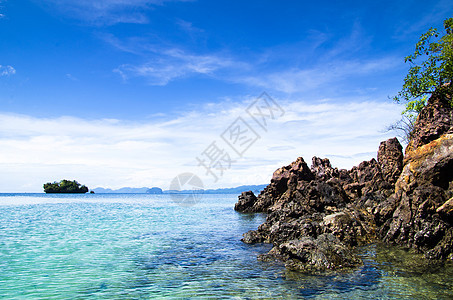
<point x="309" y="254"/>
<point x="316" y="216"/>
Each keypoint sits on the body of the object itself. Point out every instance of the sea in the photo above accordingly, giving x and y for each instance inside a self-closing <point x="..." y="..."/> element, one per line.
<point x="143" y="246"/>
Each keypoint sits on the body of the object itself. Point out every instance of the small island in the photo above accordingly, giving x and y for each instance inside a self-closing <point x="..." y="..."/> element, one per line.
<point x="65" y="186"/>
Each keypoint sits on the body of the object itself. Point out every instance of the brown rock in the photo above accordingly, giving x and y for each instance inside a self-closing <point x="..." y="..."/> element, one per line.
<point x="322" y="169"/>
<point x="245" y="202"/>
<point x="421" y="204"/>
<point x="390" y="159"/>
<point x="435" y="119"/>
<point x="324" y="253"/>
<point x="316" y="216"/>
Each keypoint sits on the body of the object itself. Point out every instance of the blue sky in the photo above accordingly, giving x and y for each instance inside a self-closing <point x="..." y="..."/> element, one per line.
<point x="128" y="93"/>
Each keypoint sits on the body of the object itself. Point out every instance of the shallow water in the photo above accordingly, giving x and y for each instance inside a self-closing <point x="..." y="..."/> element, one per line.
<point x="115" y="246"/>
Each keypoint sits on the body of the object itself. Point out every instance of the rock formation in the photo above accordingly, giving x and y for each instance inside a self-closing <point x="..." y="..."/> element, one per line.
<point x="316" y="216"/>
<point x="417" y="214"/>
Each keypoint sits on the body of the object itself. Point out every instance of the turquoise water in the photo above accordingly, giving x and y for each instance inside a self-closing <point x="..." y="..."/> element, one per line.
<point x="106" y="246"/>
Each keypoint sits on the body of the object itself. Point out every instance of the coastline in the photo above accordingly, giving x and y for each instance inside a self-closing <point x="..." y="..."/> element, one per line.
<point x="318" y="215"/>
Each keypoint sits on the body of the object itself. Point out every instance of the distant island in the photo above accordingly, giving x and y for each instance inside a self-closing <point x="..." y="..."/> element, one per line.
<point x="124" y="190"/>
<point x="156" y="190"/>
<point x="65" y="186"/>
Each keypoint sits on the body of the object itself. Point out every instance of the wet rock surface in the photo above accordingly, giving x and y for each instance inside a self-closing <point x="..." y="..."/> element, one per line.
<point x="318" y="214"/>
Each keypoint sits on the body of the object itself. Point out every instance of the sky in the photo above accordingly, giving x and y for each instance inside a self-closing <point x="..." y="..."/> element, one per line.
<point x="116" y="93"/>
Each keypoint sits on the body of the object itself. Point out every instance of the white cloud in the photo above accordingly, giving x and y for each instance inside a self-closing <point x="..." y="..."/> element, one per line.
<point x="172" y="64"/>
<point x="108" y="12"/>
<point x="71" y="77"/>
<point x="269" y="69"/>
<point x="163" y="64"/>
<point x="115" y="153"/>
<point x="166" y="65"/>
<point x="7" y="70"/>
<point x="298" y="80"/>
<point x="1" y="15"/>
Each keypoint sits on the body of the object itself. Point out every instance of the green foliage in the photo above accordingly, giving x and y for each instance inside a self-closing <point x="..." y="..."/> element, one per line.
<point x="415" y="106"/>
<point x="431" y="68"/>
<point x="65" y="186"/>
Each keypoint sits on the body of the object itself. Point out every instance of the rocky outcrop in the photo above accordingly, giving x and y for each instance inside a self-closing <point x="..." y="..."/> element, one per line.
<point x="417" y="214"/>
<point x="420" y="218"/>
<point x="433" y="121"/>
<point x="316" y="216"/>
<point x="312" y="214"/>
<point x="390" y="159"/>
<point x="245" y="202"/>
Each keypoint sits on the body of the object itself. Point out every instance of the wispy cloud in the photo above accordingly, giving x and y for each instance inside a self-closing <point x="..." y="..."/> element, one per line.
<point x="115" y="153"/>
<point x="298" y="80"/>
<point x="165" y="63"/>
<point x="434" y="14"/>
<point x="1" y="15"/>
<point x="71" y="77"/>
<point x="7" y="70"/>
<point x="109" y="12"/>
<point x="172" y="64"/>
<point x="327" y="61"/>
<point x="289" y="69"/>
<point x="196" y="34"/>
<point x="188" y="27"/>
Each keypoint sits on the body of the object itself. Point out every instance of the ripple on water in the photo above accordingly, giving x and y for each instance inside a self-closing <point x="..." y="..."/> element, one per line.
<point x="145" y="246"/>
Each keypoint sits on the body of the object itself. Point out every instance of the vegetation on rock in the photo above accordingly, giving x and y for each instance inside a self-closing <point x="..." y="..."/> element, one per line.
<point x="431" y="69"/>
<point x="427" y="75"/>
<point x="65" y="186"/>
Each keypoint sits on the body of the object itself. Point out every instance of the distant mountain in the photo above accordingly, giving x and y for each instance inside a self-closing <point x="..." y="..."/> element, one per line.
<point x="155" y="190"/>
<point x="236" y="190"/>
<point x="124" y="190"/>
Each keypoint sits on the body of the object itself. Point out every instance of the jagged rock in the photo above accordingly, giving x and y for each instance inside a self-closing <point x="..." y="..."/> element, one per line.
<point x="283" y="181"/>
<point x="424" y="187"/>
<point x="297" y="169"/>
<point x="390" y="159"/>
<point x="418" y="214"/>
<point x="435" y="119"/>
<point x="317" y="215"/>
<point x="245" y="202"/>
<point x="304" y="204"/>
<point x="366" y="172"/>
<point x="322" y="169"/>
<point x="369" y="187"/>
